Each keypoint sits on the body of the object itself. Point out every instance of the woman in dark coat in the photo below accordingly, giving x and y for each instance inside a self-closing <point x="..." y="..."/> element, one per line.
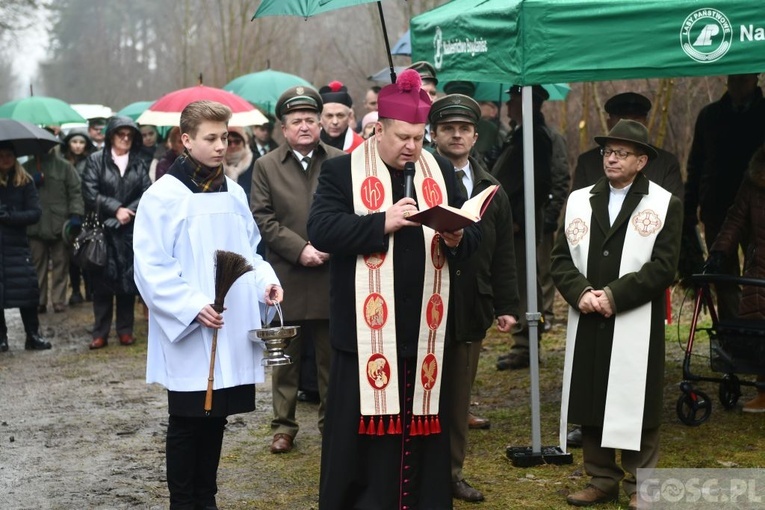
<point x="746" y="221"/>
<point x="76" y="148"/>
<point x="112" y="184"/>
<point x="19" y="207"/>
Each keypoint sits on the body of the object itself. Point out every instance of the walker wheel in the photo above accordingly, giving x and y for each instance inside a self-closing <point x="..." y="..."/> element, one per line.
<point x="730" y="391"/>
<point x="694" y="408"/>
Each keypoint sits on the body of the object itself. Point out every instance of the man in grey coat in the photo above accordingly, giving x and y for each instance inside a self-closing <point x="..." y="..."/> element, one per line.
<point x="485" y="284"/>
<point x="283" y="185"/>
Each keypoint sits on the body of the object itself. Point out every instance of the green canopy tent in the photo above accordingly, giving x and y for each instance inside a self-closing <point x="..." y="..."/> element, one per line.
<point x="530" y="42"/>
<point x="548" y="41"/>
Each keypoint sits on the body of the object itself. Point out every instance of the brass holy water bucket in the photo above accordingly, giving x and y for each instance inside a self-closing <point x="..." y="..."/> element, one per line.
<point x="274" y="340"/>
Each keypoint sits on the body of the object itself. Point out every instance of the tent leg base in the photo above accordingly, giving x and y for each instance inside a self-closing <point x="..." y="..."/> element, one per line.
<point x="523" y="456"/>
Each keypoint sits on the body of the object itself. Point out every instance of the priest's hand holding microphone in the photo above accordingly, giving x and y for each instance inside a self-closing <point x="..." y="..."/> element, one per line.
<point x="397" y="216"/>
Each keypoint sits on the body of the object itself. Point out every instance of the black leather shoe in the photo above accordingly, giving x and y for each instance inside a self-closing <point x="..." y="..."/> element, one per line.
<point x="462" y="490"/>
<point x="76" y="298"/>
<point x="517" y="359"/>
<point x="312" y="397"/>
<point x="42" y="309"/>
<point x="4" y="344"/>
<point x="574" y="437"/>
<point x="36" y="342"/>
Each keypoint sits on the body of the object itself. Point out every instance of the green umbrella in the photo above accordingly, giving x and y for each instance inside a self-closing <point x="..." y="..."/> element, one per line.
<point x="307" y="8"/>
<point x="304" y="8"/>
<point x="550" y="41"/>
<point x="264" y="88"/>
<point x="43" y="111"/>
<point x="134" y="110"/>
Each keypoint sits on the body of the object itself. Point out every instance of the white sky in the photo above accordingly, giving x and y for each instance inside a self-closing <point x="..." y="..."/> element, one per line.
<point x="32" y="45"/>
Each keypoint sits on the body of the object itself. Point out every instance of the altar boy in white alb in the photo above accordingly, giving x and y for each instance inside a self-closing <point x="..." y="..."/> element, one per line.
<point x="180" y="223"/>
<point x="615" y="254"/>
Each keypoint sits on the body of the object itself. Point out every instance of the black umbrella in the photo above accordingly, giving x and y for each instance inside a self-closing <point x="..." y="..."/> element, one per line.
<point x="26" y="138"/>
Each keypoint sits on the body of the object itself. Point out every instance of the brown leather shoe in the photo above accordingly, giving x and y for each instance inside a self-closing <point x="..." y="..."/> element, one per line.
<point x="590" y="496"/>
<point x="98" y="343"/>
<point x="127" y="339"/>
<point x="476" y="422"/>
<point x="282" y="443"/>
<point x="462" y="490"/>
<point x="633" y="502"/>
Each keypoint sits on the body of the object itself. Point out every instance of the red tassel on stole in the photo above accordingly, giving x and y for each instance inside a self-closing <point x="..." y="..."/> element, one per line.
<point x="436" y="429"/>
<point x="362" y="427"/>
<point x="371" y="428"/>
<point x="426" y="426"/>
<point x="391" y="426"/>
<point x="413" y="427"/>
<point x="399" y="430"/>
<point x="381" y="427"/>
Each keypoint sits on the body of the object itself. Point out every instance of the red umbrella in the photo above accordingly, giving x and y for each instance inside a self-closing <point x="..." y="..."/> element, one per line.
<point x="166" y="111"/>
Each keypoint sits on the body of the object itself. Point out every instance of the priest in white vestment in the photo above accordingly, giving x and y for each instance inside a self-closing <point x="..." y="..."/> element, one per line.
<point x="616" y="253"/>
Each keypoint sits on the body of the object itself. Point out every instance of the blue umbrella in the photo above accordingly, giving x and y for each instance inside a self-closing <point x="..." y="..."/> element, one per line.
<point x="403" y="46"/>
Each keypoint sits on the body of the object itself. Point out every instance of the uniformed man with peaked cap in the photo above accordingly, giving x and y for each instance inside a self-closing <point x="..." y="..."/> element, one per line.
<point x="283" y="185"/>
<point x="453" y="120"/>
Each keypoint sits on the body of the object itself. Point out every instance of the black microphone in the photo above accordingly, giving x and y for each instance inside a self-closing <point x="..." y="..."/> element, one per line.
<point x="409" y="179"/>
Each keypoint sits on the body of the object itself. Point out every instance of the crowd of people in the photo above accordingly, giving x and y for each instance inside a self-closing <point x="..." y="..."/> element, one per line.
<point x="325" y="217"/>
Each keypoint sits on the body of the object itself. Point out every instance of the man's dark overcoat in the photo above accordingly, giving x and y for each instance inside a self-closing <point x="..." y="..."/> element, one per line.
<point x="389" y="471"/>
<point x="594" y="336"/>
<point x="485" y="286"/>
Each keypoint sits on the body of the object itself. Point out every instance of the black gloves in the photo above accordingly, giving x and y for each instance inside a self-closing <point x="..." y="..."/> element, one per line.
<point x="75" y="222"/>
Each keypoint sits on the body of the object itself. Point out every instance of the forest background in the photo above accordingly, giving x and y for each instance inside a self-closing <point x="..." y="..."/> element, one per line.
<point x="114" y="53"/>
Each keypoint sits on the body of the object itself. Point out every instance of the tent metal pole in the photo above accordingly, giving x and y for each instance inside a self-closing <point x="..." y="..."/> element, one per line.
<point x="532" y="313"/>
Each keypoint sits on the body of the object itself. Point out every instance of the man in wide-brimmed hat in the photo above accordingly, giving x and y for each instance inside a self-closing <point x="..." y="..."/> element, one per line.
<point x="664" y="169"/>
<point x="615" y="254"/>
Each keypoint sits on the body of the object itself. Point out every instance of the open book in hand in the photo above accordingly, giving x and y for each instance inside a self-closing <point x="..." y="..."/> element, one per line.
<point x="445" y="218"/>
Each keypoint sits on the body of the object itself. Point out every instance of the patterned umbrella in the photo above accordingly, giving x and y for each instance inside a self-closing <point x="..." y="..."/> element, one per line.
<point x="166" y="111"/>
<point x="44" y="111"/>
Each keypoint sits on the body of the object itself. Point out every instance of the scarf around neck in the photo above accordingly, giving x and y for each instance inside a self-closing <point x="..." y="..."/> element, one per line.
<point x="206" y="178"/>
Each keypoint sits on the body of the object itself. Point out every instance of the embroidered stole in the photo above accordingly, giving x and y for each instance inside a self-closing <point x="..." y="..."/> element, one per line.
<point x="375" y="301"/>
<point x="625" y="393"/>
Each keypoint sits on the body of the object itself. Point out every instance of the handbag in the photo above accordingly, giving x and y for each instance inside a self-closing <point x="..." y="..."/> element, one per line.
<point x="89" y="248"/>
